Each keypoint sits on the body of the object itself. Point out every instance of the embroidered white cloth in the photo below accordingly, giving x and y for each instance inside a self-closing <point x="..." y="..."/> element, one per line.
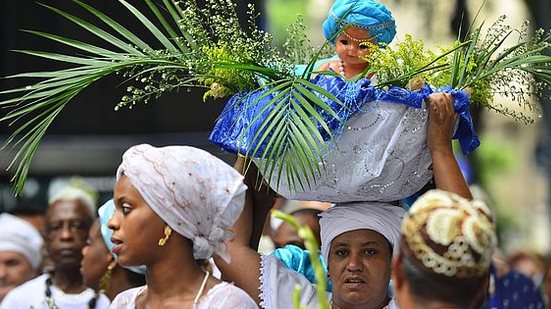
<point x="198" y="195"/>
<point x="383" y="218"/>
<point x="220" y="296"/>
<point x="381" y="155"/>
<point x="277" y="284"/>
<point x="19" y="236"/>
<point x="32" y="294"/>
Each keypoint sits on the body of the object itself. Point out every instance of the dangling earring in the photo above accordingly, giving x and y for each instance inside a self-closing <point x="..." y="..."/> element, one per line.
<point x="106" y="278"/>
<point x="163" y="240"/>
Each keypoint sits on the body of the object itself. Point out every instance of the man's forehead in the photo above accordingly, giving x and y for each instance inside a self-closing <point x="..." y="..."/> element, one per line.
<point x="68" y="209"/>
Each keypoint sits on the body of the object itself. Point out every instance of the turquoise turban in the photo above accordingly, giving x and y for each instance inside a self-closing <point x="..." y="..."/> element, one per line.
<point x="366" y="14"/>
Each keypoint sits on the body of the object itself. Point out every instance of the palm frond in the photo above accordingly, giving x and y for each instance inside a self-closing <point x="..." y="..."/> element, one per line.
<point x="288" y="140"/>
<point x="39" y="103"/>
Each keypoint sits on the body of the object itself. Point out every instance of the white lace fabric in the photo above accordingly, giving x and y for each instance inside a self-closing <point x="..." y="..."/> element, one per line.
<point x="381" y="155"/>
<point x="221" y="296"/>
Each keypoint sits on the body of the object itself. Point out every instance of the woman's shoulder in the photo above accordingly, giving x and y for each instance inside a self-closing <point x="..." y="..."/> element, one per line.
<point x="227" y="295"/>
<point x="127" y="298"/>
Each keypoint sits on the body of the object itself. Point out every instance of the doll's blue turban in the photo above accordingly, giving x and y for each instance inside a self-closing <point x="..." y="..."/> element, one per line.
<point x="366" y="14"/>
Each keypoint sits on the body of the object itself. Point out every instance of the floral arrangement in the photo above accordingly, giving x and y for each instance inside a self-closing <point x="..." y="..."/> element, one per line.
<point x="478" y="66"/>
<point x="208" y="48"/>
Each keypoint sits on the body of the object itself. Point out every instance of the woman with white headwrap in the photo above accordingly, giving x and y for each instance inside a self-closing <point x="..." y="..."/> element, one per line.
<point x="357" y="242"/>
<point x="173" y="207"/>
<point x="20" y="252"/>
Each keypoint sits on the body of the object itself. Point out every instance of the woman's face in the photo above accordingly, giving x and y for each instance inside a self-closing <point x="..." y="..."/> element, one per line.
<point x="95" y="257"/>
<point x="136" y="228"/>
<point x="359" y="269"/>
<point x="15" y="269"/>
<point x="348" y="45"/>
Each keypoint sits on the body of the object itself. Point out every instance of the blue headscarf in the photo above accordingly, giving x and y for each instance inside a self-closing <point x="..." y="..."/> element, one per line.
<point x="366" y="14"/>
<point x="105" y="213"/>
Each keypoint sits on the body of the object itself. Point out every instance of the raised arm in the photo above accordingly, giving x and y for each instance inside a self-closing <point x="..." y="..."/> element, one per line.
<point x="260" y="200"/>
<point x="244" y="267"/>
<point x="442" y="119"/>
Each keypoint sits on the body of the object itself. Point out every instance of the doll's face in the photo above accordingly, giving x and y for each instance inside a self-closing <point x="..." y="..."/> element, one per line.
<point x="348" y="45"/>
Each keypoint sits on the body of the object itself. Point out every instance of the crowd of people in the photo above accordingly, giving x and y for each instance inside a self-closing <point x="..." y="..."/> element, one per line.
<point x="177" y="207"/>
<point x="183" y="227"/>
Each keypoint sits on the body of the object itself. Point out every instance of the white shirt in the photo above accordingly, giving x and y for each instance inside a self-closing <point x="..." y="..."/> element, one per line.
<point x="221" y="296"/>
<point x="32" y="294"/>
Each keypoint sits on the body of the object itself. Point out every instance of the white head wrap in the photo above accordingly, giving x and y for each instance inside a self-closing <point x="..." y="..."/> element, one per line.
<point x="195" y="193"/>
<point x="19" y="236"/>
<point x="70" y="193"/>
<point x="382" y="218"/>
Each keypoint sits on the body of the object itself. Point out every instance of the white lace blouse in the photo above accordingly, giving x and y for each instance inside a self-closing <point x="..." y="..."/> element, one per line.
<point x="220" y="296"/>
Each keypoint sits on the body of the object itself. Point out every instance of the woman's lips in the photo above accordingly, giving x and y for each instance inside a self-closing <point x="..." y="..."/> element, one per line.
<point x="117" y="245"/>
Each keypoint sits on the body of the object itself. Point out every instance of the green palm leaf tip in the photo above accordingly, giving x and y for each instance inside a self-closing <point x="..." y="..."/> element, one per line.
<point x="518" y="72"/>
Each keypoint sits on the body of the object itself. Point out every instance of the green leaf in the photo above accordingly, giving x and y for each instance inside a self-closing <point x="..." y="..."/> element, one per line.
<point x="64" y="58"/>
<point x="166" y="24"/>
<point x="74" y="43"/>
<point x="116" y="26"/>
<point x="97" y="31"/>
<point x="151" y="27"/>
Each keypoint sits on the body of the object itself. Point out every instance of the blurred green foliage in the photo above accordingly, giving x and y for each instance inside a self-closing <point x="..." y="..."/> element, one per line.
<point x="281" y="14"/>
<point x="496" y="159"/>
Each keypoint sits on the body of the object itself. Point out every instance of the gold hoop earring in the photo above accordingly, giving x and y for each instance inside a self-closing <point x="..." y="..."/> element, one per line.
<point x="163" y="240"/>
<point x="105" y="280"/>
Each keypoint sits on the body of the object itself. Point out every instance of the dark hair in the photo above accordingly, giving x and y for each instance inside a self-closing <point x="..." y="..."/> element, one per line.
<point x="427" y="285"/>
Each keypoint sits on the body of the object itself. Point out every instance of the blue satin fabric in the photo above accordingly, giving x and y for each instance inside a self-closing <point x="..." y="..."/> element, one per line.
<point x="298" y="259"/>
<point x="230" y="131"/>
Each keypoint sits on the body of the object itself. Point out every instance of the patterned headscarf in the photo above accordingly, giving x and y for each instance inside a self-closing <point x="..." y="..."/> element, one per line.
<point x="366" y="14"/>
<point x="450" y="235"/>
<point x="382" y="218"/>
<point x="195" y="193"/>
<point x="105" y="213"/>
